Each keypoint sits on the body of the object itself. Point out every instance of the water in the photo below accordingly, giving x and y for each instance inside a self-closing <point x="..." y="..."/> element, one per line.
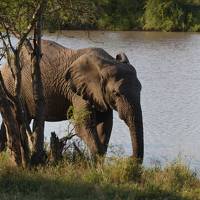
<point x="168" y="66"/>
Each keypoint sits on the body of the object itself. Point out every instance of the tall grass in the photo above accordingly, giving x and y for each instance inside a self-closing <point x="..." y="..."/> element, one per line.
<point x="115" y="179"/>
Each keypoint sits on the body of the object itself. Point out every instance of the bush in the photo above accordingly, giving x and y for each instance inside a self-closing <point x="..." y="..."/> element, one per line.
<point x="163" y="15"/>
<point x="171" y="15"/>
<point x="120" y="14"/>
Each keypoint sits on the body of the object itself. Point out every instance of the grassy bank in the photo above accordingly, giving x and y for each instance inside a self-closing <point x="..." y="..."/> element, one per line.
<point x="121" y="179"/>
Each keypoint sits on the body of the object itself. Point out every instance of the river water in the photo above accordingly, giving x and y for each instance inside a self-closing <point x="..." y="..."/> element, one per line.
<point x="168" y="66"/>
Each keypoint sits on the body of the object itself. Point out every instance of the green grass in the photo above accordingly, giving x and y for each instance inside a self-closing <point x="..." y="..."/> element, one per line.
<point x="117" y="179"/>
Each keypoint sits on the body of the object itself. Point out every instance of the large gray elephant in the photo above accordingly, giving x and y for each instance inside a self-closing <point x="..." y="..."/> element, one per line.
<point x="88" y="79"/>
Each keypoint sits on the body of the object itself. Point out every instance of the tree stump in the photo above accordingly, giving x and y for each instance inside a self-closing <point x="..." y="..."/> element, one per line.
<point x="56" y="148"/>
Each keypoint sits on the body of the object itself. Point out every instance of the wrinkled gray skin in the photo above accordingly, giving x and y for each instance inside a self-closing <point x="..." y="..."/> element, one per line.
<point x="87" y="79"/>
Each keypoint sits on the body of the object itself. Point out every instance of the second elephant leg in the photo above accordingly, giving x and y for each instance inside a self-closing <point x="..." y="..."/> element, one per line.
<point x="104" y="125"/>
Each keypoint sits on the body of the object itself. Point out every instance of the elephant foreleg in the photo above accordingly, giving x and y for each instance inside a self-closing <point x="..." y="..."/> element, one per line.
<point x="3" y="137"/>
<point x="104" y="121"/>
<point x="86" y="127"/>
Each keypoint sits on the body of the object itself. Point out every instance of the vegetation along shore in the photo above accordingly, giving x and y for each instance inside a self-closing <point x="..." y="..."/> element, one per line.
<point x="157" y="15"/>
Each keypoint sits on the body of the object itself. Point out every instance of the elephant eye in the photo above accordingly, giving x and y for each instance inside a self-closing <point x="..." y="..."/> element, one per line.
<point x="116" y="94"/>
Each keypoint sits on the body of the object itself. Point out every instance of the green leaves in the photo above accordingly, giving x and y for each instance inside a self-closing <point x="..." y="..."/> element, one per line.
<point x="77" y="116"/>
<point x="164" y="15"/>
<point x="120" y="14"/>
<point x="170" y="15"/>
<point x="17" y="13"/>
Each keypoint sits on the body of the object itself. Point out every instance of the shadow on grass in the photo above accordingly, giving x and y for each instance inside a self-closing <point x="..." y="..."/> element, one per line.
<point x="33" y="186"/>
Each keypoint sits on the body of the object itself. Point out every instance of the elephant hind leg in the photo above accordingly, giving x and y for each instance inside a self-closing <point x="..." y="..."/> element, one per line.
<point x="3" y="138"/>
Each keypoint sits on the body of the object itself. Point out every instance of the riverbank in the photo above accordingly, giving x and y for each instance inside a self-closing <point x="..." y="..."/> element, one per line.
<point x="119" y="179"/>
<point x="128" y="15"/>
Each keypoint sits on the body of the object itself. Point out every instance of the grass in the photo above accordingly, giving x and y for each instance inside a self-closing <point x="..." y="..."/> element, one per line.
<point x="117" y="179"/>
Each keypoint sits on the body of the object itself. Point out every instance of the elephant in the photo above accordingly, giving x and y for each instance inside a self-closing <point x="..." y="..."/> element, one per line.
<point x="88" y="79"/>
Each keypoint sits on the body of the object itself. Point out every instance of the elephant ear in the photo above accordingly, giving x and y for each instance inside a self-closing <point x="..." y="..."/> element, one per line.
<point x="84" y="76"/>
<point x="122" y="57"/>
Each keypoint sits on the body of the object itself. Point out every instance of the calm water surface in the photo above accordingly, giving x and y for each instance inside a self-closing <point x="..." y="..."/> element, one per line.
<point x="168" y="66"/>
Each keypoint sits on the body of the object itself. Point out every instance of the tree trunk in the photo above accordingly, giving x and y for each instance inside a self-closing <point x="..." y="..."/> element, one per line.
<point x="24" y="128"/>
<point x="9" y="115"/>
<point x="3" y="138"/>
<point x="38" y="155"/>
<point x="12" y="109"/>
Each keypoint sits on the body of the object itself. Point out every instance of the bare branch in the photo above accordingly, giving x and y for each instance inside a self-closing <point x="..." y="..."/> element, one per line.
<point x="10" y="27"/>
<point x="2" y="49"/>
<point x="3" y="40"/>
<point x="2" y="55"/>
<point x="9" y="40"/>
<point x="6" y="48"/>
<point x="32" y="24"/>
<point x="64" y="139"/>
<point x="78" y="149"/>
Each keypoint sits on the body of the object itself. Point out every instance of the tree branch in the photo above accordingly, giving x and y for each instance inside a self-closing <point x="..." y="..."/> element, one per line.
<point x="35" y="16"/>
<point x="64" y="139"/>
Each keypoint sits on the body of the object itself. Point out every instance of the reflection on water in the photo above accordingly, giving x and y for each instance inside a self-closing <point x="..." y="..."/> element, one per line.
<point x="168" y="66"/>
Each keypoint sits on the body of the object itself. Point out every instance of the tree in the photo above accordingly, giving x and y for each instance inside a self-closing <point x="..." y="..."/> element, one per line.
<point x="120" y="14"/>
<point x="64" y="14"/>
<point x="12" y="107"/>
<point x="172" y="15"/>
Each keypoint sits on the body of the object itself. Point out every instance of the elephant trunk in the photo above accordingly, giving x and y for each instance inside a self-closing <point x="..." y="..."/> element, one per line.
<point x="132" y="115"/>
<point x="136" y="132"/>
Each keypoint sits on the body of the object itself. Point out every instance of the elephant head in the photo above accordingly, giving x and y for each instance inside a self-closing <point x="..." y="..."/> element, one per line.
<point x="110" y="83"/>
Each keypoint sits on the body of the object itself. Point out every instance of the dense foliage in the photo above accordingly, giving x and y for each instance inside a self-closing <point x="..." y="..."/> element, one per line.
<point x="17" y="13"/>
<point x="164" y="15"/>
<point x="64" y="14"/>
<point x="172" y="15"/>
<point x="121" y="14"/>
